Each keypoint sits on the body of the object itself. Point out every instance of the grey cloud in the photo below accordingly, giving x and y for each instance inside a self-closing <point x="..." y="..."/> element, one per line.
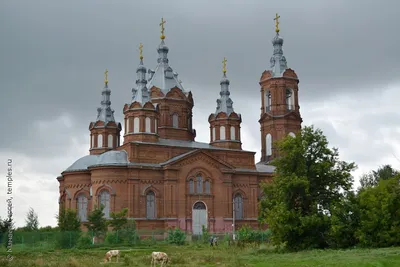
<point x="53" y="63"/>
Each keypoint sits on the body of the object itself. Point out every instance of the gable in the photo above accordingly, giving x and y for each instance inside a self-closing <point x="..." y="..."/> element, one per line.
<point x="196" y="156"/>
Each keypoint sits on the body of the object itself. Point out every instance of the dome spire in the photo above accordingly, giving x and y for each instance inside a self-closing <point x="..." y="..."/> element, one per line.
<point x="163" y="76"/>
<point x="278" y="60"/>
<point x="105" y="113"/>
<point x="162" y="29"/>
<point x="140" y="93"/>
<point x="224" y="103"/>
<point x="141" y="52"/>
<point x="277" y="23"/>
<point x="106" y="78"/>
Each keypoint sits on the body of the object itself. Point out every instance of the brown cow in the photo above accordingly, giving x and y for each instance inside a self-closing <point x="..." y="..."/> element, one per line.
<point x="110" y="254"/>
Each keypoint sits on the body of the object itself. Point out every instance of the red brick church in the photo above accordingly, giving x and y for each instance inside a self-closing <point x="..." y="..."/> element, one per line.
<point x="160" y="173"/>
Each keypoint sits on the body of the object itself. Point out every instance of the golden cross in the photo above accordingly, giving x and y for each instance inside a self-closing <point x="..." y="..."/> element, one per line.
<point x="224" y="65"/>
<point x="277" y="22"/>
<point x="162" y="28"/>
<point x="141" y="51"/>
<point x="106" y="77"/>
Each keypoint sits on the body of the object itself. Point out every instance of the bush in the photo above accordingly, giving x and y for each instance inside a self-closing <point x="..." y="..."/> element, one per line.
<point x="112" y="238"/>
<point x="247" y="234"/>
<point x="176" y="236"/>
<point x="129" y="234"/>
<point x="205" y="234"/>
<point x="85" y="241"/>
<point x="67" y="239"/>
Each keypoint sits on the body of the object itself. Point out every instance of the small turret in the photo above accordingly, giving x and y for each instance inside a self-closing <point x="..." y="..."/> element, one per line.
<point x="225" y="123"/>
<point x="141" y="115"/>
<point x="105" y="131"/>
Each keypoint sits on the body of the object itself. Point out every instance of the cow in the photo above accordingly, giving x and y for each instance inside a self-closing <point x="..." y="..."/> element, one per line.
<point x="157" y="257"/>
<point x="110" y="254"/>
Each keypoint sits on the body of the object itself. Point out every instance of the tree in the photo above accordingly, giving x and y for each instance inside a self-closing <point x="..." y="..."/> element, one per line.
<point x="68" y="220"/>
<point x="380" y="214"/>
<point x="372" y="178"/>
<point x="5" y="225"/>
<point x="32" y="221"/>
<point x="70" y="228"/>
<point x="118" y="219"/>
<point x="97" y="224"/>
<point x="345" y="221"/>
<point x="308" y="182"/>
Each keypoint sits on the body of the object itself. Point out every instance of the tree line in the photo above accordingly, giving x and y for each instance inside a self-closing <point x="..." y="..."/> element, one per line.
<point x="311" y="203"/>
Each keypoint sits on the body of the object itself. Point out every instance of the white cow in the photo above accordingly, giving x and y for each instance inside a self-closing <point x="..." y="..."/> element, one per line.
<point x="157" y="257"/>
<point x="110" y="254"/>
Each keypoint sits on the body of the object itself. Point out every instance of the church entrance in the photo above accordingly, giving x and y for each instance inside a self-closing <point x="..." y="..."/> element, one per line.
<point x="199" y="217"/>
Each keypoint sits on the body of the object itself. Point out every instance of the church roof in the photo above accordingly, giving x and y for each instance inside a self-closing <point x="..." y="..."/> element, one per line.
<point x="163" y="76"/>
<point x="113" y="157"/>
<point x="120" y="158"/>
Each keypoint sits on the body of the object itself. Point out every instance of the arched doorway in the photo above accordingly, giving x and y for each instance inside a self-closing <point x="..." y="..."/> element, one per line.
<point x="199" y="217"/>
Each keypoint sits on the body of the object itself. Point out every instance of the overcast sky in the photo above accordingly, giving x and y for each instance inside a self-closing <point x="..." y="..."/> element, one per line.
<point x="53" y="55"/>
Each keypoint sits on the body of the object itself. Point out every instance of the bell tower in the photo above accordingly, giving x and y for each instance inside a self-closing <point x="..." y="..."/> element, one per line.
<point x="280" y="110"/>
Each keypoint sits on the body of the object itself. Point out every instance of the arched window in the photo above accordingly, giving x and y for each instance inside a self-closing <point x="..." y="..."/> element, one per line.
<point x="175" y="120"/>
<point x="136" y="125"/>
<point x="110" y="140"/>
<point x="289" y="99"/>
<point x="199" y="184"/>
<point x="82" y="207"/>
<point x="269" y="101"/>
<point x="292" y="134"/>
<point x="238" y="207"/>
<point x="268" y="145"/>
<point x="191" y="186"/>
<point x="213" y="134"/>
<point x="148" y="123"/>
<point x="207" y="185"/>
<point x="233" y="133"/>
<point x="100" y="140"/>
<point x="222" y="133"/>
<point x="150" y="205"/>
<point x="105" y="201"/>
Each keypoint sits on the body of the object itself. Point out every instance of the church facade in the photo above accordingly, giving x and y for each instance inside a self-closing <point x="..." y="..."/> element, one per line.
<point x="160" y="173"/>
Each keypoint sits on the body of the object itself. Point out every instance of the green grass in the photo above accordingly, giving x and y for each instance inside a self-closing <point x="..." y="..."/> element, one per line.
<point x="201" y="255"/>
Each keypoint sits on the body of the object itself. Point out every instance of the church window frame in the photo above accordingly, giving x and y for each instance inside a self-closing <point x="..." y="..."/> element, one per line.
<point x="151" y="209"/>
<point x="233" y="132"/>
<point x="213" y="134"/>
<point x="289" y="96"/>
<point x="222" y="133"/>
<point x="147" y="125"/>
<point x="175" y="120"/>
<point x="238" y="206"/>
<point x="207" y="186"/>
<point x="191" y="186"/>
<point x="100" y="140"/>
<point x="110" y="141"/>
<point x="82" y="207"/>
<point x="105" y="199"/>
<point x="199" y="184"/>
<point x="269" y="101"/>
<point x="268" y="144"/>
<point x="136" y="125"/>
